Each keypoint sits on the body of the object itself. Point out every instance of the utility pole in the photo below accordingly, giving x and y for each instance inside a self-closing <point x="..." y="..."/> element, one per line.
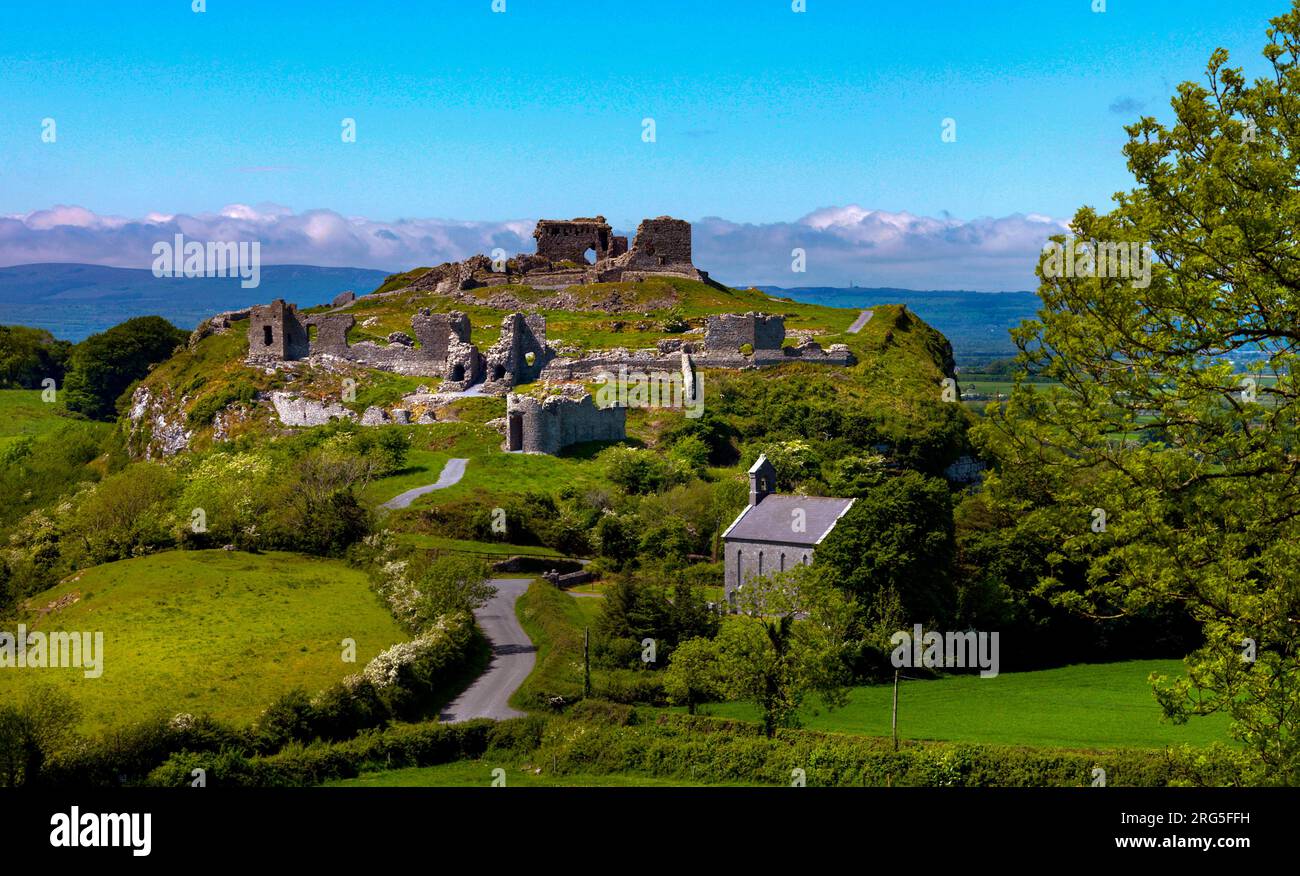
<point x="586" y="662"/>
<point x="893" y="723"/>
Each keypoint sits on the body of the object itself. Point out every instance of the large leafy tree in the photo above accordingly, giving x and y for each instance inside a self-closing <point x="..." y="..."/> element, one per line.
<point x="1165" y="474"/>
<point x="793" y="636"/>
<point x="898" y="537"/>
<point x="104" y="365"/>
<point x="29" y="355"/>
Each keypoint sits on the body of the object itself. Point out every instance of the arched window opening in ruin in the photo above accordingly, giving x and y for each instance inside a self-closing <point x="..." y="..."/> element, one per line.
<point x="589" y="256"/>
<point x="530" y="357"/>
<point x="457" y="372"/>
<point x="268" y="337"/>
<point x="498" y="372"/>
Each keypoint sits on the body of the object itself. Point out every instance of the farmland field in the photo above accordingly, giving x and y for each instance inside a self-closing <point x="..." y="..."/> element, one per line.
<point x="207" y="631"/>
<point x="1107" y="705"/>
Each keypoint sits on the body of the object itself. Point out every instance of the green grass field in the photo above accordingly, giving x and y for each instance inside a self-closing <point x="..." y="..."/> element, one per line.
<point x="23" y="413"/>
<point x="422" y="467"/>
<point x="208" y="631"/>
<point x="478" y="774"/>
<point x="491" y="471"/>
<point x="1107" y="705"/>
<point x="491" y="548"/>
<point x="590" y="607"/>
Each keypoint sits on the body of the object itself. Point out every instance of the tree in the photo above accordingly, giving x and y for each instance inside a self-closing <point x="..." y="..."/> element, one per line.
<point x="898" y="535"/>
<point x="32" y="731"/>
<point x="103" y="365"/>
<point x="635" y="470"/>
<point x="693" y="674"/>
<point x="769" y="658"/>
<point x="450" y="584"/>
<point x="796" y="462"/>
<point x="856" y="476"/>
<point x="29" y="355"/>
<point x="1207" y="516"/>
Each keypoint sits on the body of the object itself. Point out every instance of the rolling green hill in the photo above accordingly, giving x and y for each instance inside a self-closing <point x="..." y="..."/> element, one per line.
<point x="207" y="631"/>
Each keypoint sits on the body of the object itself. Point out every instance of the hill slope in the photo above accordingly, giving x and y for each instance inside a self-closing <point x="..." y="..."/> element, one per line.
<point x="207" y="631"/>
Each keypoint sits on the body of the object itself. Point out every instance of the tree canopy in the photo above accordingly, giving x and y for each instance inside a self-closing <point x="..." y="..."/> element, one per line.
<point x="102" y="366"/>
<point x="1164" y="464"/>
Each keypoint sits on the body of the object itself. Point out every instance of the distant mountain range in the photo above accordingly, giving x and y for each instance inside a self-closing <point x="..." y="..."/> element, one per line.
<point x="976" y="323"/>
<point x="74" y="301"/>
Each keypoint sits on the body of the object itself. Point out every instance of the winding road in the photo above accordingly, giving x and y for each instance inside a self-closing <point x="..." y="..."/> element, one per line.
<point x="513" y="656"/>
<point x="452" y="472"/>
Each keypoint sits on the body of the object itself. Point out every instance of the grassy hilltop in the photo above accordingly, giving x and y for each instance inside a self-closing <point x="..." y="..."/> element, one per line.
<point x="98" y="529"/>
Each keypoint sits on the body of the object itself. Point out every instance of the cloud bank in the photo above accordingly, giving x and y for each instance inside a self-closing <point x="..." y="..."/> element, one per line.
<point x="841" y="245"/>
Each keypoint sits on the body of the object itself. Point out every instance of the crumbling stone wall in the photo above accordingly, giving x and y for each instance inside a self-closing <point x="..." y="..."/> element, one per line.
<point x="547" y="426"/>
<point x="662" y="246"/>
<point x="275" y="332"/>
<point x="506" y="362"/>
<point x="568" y="240"/>
<point x="661" y="242"/>
<point x="331" y="334"/>
<point x="437" y="331"/>
<point x="726" y="333"/>
<point x="445" y="349"/>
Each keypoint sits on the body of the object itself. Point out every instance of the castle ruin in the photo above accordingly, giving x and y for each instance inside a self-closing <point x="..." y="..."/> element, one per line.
<point x="661" y="247"/>
<point x="549" y="425"/>
<point x="574" y="251"/>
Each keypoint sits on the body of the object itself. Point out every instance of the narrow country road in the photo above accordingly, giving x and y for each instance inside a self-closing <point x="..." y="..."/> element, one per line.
<point x="513" y="656"/>
<point x="452" y="472"/>
<point x="858" y="323"/>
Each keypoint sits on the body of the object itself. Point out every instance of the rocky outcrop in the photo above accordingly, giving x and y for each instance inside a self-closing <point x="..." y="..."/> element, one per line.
<point x="294" y="410"/>
<point x="157" y="425"/>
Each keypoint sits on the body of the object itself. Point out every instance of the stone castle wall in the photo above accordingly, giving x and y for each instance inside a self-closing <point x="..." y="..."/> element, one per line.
<point x="548" y="426"/>
<point x="560" y="240"/>
<point x="661" y="247"/>
<point x="728" y="332"/>
<point x="276" y="333"/>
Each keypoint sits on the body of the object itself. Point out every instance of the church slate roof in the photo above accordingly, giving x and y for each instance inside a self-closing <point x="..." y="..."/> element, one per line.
<point x="772" y="518"/>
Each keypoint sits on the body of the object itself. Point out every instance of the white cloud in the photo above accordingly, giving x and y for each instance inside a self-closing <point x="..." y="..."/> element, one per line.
<point x="844" y="244"/>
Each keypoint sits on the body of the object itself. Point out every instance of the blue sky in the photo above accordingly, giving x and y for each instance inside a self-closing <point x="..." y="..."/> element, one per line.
<point x="762" y="115"/>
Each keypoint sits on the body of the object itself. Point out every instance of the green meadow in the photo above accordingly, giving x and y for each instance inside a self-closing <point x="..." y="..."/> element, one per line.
<point x="1104" y="705"/>
<point x="24" y="415"/>
<point x="215" y="632"/>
